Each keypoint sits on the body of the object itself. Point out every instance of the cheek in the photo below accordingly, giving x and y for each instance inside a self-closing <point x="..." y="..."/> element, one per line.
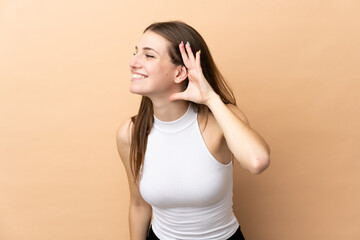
<point x="164" y="73"/>
<point x="169" y="71"/>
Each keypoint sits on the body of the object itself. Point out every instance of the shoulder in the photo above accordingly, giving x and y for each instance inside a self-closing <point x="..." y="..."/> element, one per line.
<point x="123" y="135"/>
<point x="238" y="113"/>
<point x="123" y="140"/>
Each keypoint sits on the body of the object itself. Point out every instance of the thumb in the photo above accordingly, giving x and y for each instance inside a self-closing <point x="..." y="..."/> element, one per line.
<point x="177" y="96"/>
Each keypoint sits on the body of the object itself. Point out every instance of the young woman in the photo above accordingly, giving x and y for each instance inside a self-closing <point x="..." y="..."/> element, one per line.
<point x="178" y="151"/>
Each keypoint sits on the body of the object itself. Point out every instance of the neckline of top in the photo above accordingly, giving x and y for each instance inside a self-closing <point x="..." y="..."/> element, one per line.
<point x="179" y="124"/>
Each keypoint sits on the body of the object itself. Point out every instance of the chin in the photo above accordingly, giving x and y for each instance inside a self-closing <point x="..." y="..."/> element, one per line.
<point x="138" y="92"/>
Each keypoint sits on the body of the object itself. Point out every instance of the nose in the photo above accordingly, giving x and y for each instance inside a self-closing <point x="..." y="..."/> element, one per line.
<point x="135" y="63"/>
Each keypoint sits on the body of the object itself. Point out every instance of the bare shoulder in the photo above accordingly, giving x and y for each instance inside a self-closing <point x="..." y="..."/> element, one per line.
<point x="238" y="113"/>
<point x="213" y="137"/>
<point x="123" y="137"/>
<point x="123" y="141"/>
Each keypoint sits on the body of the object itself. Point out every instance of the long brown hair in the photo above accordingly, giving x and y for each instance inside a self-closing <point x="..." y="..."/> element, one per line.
<point x="175" y="32"/>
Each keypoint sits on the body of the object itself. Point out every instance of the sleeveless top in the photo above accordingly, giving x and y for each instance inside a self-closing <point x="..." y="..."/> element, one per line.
<point x="189" y="190"/>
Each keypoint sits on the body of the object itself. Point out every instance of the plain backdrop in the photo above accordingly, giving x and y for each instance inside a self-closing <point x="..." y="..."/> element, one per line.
<point x="64" y="90"/>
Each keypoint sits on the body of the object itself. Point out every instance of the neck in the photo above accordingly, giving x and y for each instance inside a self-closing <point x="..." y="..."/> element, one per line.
<point x="171" y="110"/>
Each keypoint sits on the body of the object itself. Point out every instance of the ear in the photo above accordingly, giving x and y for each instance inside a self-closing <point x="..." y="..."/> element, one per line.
<point x="181" y="74"/>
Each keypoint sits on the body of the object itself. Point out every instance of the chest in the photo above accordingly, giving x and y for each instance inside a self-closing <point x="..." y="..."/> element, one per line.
<point x="179" y="170"/>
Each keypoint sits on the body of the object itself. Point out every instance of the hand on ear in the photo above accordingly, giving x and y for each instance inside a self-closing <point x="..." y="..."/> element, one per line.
<point x="198" y="90"/>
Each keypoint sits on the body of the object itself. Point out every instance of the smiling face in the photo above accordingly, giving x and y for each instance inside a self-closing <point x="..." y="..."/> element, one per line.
<point x="153" y="73"/>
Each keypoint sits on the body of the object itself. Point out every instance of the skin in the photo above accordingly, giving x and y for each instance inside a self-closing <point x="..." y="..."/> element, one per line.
<point x="164" y="78"/>
<point x="226" y="134"/>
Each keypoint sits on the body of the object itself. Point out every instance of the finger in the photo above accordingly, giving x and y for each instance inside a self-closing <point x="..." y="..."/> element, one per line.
<point x="184" y="54"/>
<point x="190" y="53"/>
<point x="198" y="64"/>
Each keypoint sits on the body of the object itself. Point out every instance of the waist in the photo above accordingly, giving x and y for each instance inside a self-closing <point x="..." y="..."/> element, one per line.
<point x="191" y="223"/>
<point x="235" y="236"/>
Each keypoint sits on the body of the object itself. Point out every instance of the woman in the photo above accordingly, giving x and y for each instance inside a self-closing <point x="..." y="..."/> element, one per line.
<point x="178" y="150"/>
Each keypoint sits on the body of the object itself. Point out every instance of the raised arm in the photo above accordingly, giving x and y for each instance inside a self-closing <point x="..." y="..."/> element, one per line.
<point x="247" y="146"/>
<point x="139" y="210"/>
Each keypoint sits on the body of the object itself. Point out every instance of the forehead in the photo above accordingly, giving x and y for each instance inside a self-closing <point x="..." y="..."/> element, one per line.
<point x="153" y="40"/>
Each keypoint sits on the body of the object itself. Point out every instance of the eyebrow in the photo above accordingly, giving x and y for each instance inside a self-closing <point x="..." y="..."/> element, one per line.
<point x="147" y="48"/>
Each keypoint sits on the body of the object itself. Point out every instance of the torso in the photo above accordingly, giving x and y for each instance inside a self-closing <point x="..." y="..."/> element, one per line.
<point x="188" y="180"/>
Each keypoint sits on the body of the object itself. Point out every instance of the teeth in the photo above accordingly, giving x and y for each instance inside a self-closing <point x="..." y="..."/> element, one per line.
<point x="138" y="76"/>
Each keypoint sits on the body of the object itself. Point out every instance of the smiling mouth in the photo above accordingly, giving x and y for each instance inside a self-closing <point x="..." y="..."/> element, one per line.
<point x="138" y="76"/>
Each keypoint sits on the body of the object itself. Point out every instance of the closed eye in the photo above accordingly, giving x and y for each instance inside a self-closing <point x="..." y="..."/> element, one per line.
<point x="147" y="55"/>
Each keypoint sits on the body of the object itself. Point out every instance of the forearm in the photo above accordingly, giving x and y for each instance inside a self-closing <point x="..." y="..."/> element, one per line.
<point x="139" y="220"/>
<point x="246" y="144"/>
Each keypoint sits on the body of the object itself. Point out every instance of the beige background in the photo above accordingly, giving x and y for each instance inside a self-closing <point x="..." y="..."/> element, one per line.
<point x="64" y="72"/>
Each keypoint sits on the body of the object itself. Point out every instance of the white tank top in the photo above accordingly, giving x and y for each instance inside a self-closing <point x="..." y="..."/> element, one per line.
<point x="189" y="190"/>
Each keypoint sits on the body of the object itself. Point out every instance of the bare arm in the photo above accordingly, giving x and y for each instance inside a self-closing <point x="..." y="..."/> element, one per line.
<point x="139" y="210"/>
<point x="248" y="147"/>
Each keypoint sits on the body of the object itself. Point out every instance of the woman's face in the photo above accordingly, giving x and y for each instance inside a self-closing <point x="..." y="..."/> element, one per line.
<point x="153" y="73"/>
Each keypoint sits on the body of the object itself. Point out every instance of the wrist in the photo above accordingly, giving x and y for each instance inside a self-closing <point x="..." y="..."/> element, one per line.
<point x="212" y="99"/>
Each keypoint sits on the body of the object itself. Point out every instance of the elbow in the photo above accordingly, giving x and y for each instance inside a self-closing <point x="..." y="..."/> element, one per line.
<point x="259" y="165"/>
